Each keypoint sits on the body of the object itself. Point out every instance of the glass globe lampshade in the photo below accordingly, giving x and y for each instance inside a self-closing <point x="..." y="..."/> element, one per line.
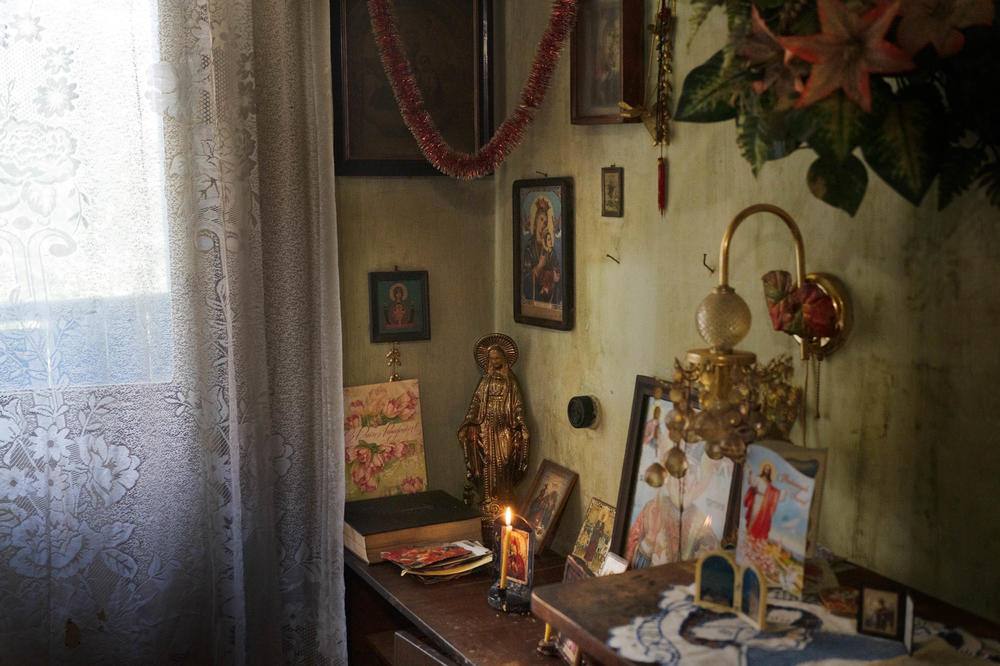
<point x="723" y="319"/>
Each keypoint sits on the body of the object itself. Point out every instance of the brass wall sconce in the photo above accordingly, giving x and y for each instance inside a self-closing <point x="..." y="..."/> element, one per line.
<point x="740" y="400"/>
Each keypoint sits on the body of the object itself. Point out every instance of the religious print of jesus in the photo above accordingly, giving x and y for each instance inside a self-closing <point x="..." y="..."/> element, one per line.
<point x="774" y="518"/>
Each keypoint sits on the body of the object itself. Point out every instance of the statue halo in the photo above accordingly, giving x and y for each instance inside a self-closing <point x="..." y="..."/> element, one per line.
<point x="483" y="344"/>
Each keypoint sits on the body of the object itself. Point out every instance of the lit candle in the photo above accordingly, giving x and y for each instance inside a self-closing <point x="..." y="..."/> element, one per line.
<point x="504" y="548"/>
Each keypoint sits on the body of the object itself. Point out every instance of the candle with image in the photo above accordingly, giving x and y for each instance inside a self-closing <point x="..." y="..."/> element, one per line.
<point x="504" y="550"/>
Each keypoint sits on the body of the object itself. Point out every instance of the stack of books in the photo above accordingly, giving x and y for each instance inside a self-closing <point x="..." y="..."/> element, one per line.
<point x="439" y="562"/>
<point x="383" y="524"/>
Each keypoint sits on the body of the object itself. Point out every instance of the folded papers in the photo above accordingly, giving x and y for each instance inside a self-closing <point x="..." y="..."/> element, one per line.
<point x="436" y="562"/>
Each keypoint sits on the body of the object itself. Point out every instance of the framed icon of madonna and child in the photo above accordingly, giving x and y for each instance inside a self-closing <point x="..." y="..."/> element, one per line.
<point x="543" y="252"/>
<point x="400" y="306"/>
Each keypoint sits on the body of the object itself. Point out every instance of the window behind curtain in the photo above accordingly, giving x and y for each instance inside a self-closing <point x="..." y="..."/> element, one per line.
<point x="84" y="273"/>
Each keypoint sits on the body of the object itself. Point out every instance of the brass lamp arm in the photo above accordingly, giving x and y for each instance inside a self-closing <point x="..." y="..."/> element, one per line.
<point x="800" y="262"/>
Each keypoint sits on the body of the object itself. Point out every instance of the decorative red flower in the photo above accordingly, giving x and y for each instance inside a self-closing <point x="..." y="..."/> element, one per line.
<point x="937" y="21"/>
<point x="848" y="50"/>
<point x="362" y="454"/>
<point x="819" y="318"/>
<point x="806" y="311"/>
<point x="363" y="479"/>
<point x="778" y="287"/>
<point x="377" y="463"/>
<point x="762" y="50"/>
<point x="412" y="484"/>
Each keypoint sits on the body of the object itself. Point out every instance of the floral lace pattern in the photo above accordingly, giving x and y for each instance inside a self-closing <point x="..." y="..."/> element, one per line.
<point x="162" y="496"/>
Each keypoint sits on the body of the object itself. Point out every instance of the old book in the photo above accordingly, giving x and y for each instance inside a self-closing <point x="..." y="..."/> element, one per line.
<point x="387" y="523"/>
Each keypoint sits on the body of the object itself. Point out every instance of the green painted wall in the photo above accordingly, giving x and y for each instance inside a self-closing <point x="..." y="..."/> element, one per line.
<point x="446" y="228"/>
<point x="908" y="408"/>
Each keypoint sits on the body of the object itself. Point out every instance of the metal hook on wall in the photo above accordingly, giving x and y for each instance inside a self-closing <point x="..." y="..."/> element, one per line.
<point x="704" y="262"/>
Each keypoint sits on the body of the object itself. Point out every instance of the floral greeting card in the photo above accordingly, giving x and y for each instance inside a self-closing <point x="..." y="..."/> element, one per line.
<point x="383" y="440"/>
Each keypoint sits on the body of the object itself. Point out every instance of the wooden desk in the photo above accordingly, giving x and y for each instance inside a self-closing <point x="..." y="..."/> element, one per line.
<point x="453" y="615"/>
<point x="587" y="610"/>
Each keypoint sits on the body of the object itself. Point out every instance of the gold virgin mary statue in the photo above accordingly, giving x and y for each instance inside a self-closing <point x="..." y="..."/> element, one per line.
<point x="493" y="435"/>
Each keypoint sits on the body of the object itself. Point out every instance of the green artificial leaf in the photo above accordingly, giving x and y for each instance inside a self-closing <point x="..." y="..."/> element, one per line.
<point x="835" y="126"/>
<point x="907" y="143"/>
<point x="709" y="90"/>
<point x="990" y="179"/>
<point x="972" y="83"/>
<point x="762" y="132"/>
<point x="959" y="169"/>
<point x="782" y="130"/>
<point x="738" y="18"/>
<point x="751" y="137"/>
<point x="700" y="9"/>
<point x="840" y="183"/>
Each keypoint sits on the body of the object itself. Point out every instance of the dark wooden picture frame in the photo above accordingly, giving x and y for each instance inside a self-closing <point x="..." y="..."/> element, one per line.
<point x="543" y="252"/>
<point x="869" y="620"/>
<point x="647" y="435"/>
<point x="606" y="61"/>
<point x="543" y="504"/>
<point x="370" y="138"/>
<point x="574" y="570"/>
<point x="399" y="306"/>
<point x="612" y="191"/>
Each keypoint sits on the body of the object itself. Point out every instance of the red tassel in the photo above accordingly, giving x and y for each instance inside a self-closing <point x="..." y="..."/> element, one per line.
<point x="661" y="184"/>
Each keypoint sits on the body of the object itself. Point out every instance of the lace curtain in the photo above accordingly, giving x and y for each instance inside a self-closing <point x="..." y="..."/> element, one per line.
<point x="170" y="466"/>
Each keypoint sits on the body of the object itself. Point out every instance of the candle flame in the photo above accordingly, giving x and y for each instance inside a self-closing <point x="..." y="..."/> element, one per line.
<point x="507" y="516"/>
<point x="708" y="521"/>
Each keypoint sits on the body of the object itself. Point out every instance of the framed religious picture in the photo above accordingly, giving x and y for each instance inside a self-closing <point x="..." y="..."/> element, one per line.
<point x="887" y="613"/>
<point x="545" y="501"/>
<point x="660" y="518"/>
<point x="399" y="304"/>
<point x="606" y="62"/>
<point x="543" y="252"/>
<point x="454" y="75"/>
<point x="574" y="570"/>
<point x="720" y="584"/>
<point x="612" y="191"/>
<point x="595" y="535"/>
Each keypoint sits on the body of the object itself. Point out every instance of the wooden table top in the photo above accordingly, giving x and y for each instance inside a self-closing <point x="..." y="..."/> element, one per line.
<point x="455" y="614"/>
<point x="587" y="610"/>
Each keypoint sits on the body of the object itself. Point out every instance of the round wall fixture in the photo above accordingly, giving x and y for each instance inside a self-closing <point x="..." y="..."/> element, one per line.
<point x="582" y="411"/>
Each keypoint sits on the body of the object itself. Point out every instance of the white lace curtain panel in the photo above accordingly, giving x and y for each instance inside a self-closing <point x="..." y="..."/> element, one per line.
<point x="170" y="376"/>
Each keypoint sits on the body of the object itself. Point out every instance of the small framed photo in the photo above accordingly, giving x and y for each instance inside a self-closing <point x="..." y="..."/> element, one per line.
<point x="612" y="192"/>
<point x="650" y="527"/>
<point x="887" y="613"/>
<point x="543" y="252"/>
<point x="595" y="535"/>
<point x="546" y="499"/>
<point x="606" y="61"/>
<point x="400" y="306"/>
<point x="574" y="570"/>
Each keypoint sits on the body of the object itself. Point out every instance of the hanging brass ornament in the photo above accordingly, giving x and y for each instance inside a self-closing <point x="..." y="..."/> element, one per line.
<point x="655" y="112"/>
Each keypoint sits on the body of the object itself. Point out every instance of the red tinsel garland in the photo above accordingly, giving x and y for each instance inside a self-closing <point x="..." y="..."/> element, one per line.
<point x="411" y="101"/>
